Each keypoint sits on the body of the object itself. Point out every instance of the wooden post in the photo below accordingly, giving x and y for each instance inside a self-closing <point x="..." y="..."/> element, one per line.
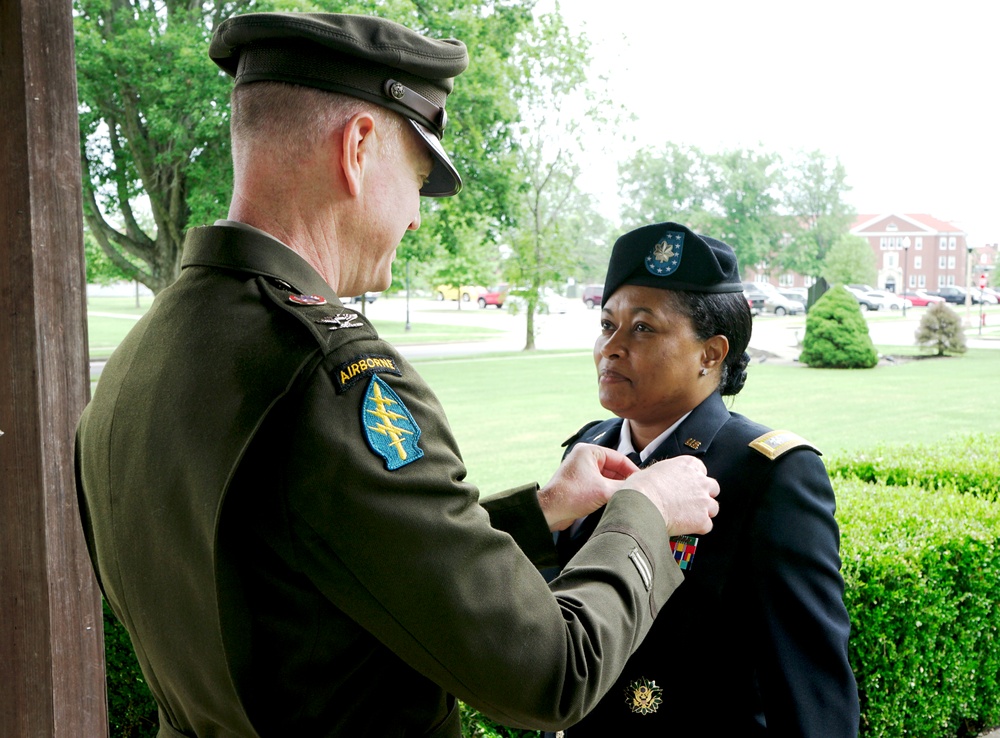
<point x="51" y="643"/>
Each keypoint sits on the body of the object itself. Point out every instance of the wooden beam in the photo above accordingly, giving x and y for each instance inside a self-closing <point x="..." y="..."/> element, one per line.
<point x="51" y="643"/>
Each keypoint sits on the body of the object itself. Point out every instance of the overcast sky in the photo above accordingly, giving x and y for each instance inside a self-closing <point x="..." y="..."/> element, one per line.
<point x="906" y="94"/>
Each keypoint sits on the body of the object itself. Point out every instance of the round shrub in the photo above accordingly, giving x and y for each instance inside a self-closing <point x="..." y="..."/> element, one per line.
<point x="837" y="334"/>
<point x="941" y="330"/>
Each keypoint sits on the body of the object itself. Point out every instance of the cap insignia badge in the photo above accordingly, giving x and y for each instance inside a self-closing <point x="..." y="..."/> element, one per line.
<point x="307" y="299"/>
<point x="665" y="257"/>
<point x="684" y="548"/>
<point x="391" y="431"/>
<point x="643" y="696"/>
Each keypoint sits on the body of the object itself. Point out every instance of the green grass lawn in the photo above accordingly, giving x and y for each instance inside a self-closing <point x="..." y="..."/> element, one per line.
<point x="511" y="413"/>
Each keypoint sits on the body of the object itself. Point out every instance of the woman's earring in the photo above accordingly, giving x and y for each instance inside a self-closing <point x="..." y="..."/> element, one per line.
<point x="704" y="372"/>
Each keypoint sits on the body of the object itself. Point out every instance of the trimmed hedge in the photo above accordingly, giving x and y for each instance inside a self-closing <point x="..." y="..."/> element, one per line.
<point x="922" y="574"/>
<point x="837" y="334"/>
<point x="966" y="463"/>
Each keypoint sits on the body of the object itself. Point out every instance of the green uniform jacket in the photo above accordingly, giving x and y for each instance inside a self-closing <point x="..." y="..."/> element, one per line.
<point x="276" y="510"/>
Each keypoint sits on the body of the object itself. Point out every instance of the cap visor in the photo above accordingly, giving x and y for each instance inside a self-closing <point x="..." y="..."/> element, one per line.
<point x="444" y="180"/>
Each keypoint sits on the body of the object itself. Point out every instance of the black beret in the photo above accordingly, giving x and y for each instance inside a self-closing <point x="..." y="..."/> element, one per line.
<point x="363" y="56"/>
<point x="672" y="257"/>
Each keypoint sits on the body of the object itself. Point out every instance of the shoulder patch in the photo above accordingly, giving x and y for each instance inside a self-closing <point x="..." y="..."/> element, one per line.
<point x="353" y="371"/>
<point x="774" y="443"/>
<point x="391" y="431"/>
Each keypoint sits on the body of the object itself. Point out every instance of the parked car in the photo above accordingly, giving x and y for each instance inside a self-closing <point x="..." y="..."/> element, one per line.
<point x="986" y="297"/>
<point x="369" y="297"/>
<point x="755" y="298"/>
<point x="799" y="294"/>
<point x="592" y="295"/>
<point x="466" y="292"/>
<point x="952" y="294"/>
<point x="920" y="298"/>
<point x="865" y="300"/>
<point x="891" y="300"/>
<point x="551" y="302"/>
<point x="495" y="295"/>
<point x="774" y="301"/>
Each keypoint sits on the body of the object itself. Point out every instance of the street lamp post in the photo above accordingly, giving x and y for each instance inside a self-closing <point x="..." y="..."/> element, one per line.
<point x="968" y="284"/>
<point x="906" y="259"/>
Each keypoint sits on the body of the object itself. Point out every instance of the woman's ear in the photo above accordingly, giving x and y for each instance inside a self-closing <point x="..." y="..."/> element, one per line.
<point x="714" y="351"/>
<point x="357" y="146"/>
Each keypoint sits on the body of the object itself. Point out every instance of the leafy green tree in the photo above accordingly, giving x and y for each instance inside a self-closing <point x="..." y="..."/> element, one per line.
<point x="100" y="269"/>
<point x="813" y="199"/>
<point x="663" y="185"/>
<point x="850" y="261"/>
<point x="543" y="239"/>
<point x="941" y="330"/>
<point x="154" y="115"/>
<point x="837" y="334"/>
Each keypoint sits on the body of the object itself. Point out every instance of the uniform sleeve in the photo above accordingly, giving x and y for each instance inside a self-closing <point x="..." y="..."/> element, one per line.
<point x="402" y="546"/>
<point x="806" y="682"/>
<point x="518" y="513"/>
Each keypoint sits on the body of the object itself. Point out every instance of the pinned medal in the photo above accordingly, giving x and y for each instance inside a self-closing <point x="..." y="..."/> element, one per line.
<point x="307" y="299"/>
<point x="643" y="696"/>
<point x="665" y="257"/>
<point x="684" y="548"/>
<point x="391" y="431"/>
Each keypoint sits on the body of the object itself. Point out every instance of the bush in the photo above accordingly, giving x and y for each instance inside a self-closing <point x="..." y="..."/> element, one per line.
<point x="837" y="334"/>
<point x="966" y="463"/>
<point x="941" y="331"/>
<point x="922" y="574"/>
<point x="131" y="707"/>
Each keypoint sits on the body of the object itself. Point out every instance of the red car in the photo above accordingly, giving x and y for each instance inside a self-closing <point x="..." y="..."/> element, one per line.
<point x="921" y="299"/>
<point x="493" y="296"/>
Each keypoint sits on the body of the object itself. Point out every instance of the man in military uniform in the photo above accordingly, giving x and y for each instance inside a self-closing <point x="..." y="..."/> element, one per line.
<point x="272" y="498"/>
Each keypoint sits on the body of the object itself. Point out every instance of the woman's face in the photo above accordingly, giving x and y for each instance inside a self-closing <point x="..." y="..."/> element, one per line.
<point x="649" y="360"/>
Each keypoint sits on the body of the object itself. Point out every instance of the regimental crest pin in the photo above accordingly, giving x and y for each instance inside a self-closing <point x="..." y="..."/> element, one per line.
<point x="643" y="696"/>
<point x="307" y="299"/>
<point x="665" y="257"/>
<point x="391" y="431"/>
<point x="684" y="548"/>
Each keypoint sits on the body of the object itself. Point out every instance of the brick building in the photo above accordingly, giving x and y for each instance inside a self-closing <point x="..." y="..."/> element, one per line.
<point x="925" y="252"/>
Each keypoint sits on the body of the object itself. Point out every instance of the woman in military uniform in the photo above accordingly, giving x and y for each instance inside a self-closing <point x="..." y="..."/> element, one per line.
<point x="754" y="642"/>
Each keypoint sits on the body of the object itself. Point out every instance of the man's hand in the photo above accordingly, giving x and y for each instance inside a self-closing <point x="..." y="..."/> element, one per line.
<point x="583" y="483"/>
<point x="682" y="491"/>
<point x="679" y="487"/>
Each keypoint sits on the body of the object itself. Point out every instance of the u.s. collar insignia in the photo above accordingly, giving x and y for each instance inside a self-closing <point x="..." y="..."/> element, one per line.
<point x="684" y="548"/>
<point x="643" y="696"/>
<point x="391" y="431"/>
<point x="665" y="257"/>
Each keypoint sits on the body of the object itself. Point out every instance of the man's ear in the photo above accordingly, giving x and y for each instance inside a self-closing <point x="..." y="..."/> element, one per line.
<point x="714" y="351"/>
<point x="357" y="147"/>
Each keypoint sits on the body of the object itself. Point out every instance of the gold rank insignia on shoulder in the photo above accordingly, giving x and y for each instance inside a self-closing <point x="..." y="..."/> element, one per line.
<point x="774" y="443"/>
<point x="643" y="696"/>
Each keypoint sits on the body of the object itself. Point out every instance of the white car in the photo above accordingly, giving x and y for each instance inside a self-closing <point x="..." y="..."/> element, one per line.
<point x="890" y="300"/>
<point x="551" y="302"/>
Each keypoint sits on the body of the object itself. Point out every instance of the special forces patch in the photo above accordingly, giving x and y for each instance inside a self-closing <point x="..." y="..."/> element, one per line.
<point x="643" y="696"/>
<point x="665" y="257"/>
<point x="391" y="431"/>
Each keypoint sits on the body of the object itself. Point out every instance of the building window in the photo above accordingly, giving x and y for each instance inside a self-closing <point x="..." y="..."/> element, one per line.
<point x="942" y="260"/>
<point x="883" y="243"/>
<point x="786" y="280"/>
<point x="951" y="243"/>
<point x="918" y="262"/>
<point x="913" y="282"/>
<point x="919" y="244"/>
<point x="890" y="261"/>
<point x="941" y="280"/>
<point x="951" y="279"/>
<point x="951" y="262"/>
<point x="943" y="244"/>
<point x="921" y="281"/>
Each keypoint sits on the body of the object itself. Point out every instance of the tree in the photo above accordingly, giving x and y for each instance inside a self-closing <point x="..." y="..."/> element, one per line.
<point x="154" y="117"/>
<point x="850" y="261"/>
<point x="837" y="334"/>
<point x="663" y="185"/>
<point x="548" y="210"/>
<point x="941" y="331"/>
<point x="817" y="214"/>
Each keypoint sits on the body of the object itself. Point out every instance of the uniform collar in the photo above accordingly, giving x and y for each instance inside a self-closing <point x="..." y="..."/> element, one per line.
<point x="695" y="433"/>
<point x="230" y="245"/>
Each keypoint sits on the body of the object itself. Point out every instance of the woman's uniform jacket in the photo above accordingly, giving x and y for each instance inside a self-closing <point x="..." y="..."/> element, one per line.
<point x="754" y="643"/>
<point x="275" y="507"/>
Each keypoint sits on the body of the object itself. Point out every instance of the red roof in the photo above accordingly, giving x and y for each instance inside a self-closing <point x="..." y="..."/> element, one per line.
<point x="929" y="221"/>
